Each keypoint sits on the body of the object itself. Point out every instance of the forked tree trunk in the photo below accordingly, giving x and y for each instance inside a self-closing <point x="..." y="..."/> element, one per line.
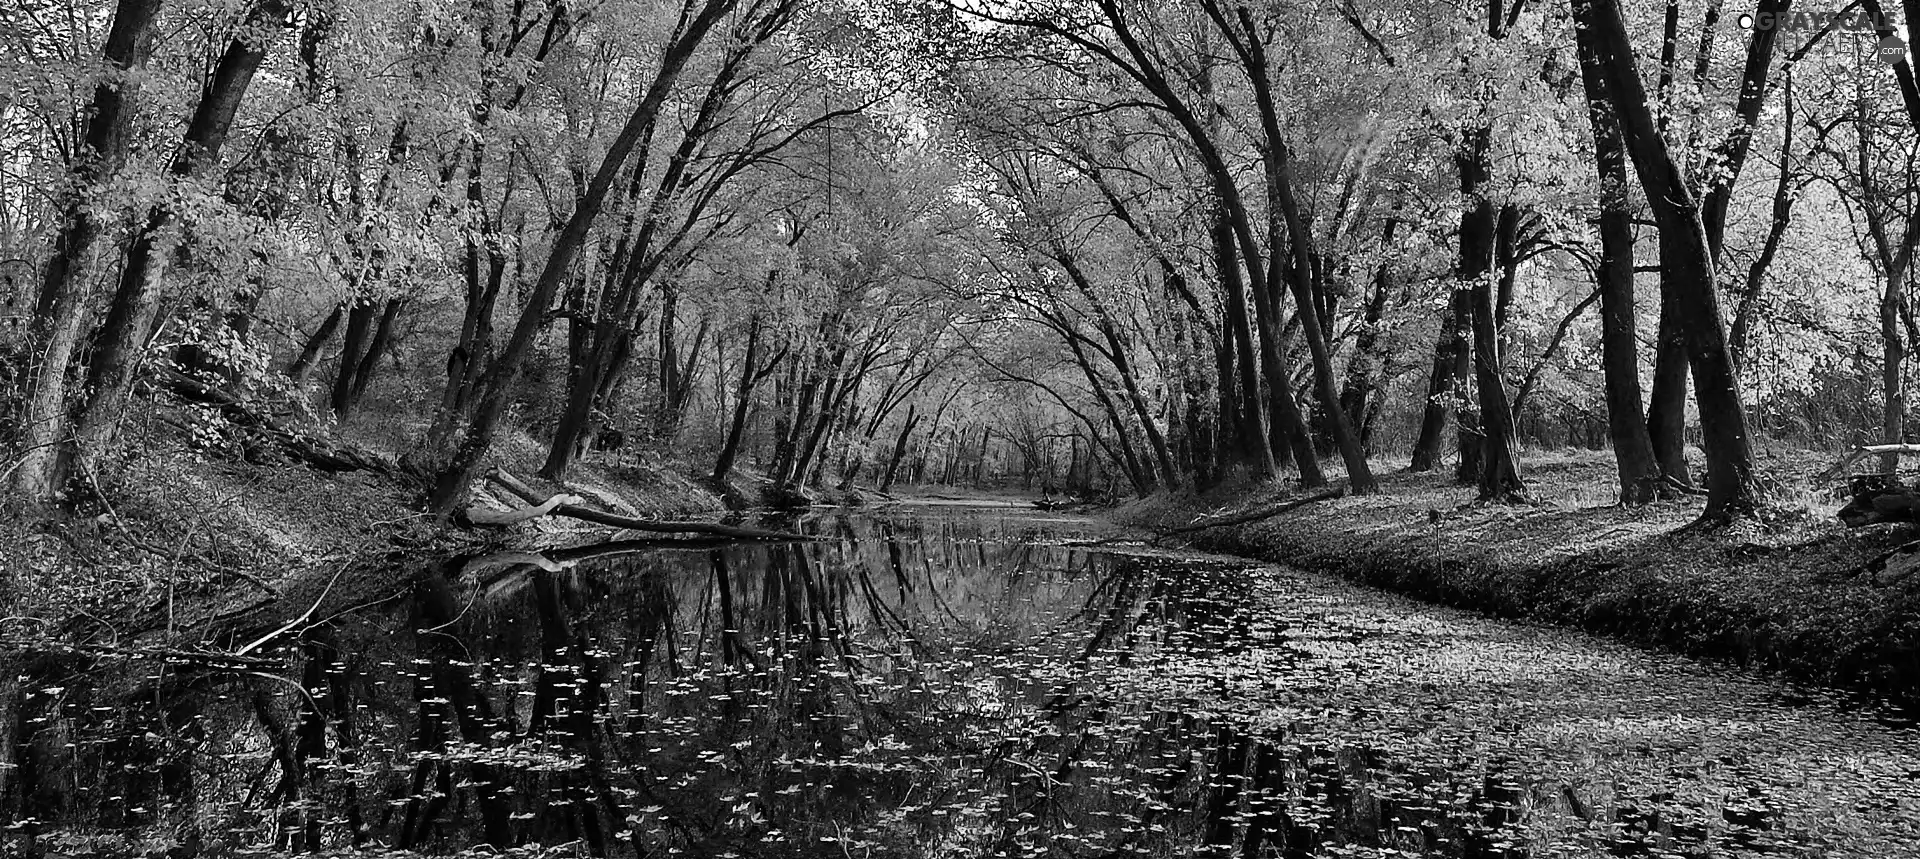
<point x="130" y="317"/>
<point x="1639" y="472"/>
<point x="1687" y="261"/>
<point x="66" y="290"/>
<point x="1499" y="477"/>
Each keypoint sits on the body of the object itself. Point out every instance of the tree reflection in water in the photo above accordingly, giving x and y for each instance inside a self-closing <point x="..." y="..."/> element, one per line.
<point x="904" y="686"/>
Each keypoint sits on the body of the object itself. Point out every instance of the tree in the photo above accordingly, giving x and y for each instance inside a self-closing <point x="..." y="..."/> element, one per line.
<point x="453" y="475"/>
<point x="60" y="314"/>
<point x="1687" y="260"/>
<point x="1640" y="478"/>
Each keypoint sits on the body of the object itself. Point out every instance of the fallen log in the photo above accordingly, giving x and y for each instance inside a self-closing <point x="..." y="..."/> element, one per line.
<point x="1880" y="499"/>
<point x="614" y="520"/>
<point x="501" y="518"/>
<point x="1903" y="554"/>
<point x="313" y="451"/>
<point x="1252" y="516"/>
<point x="1863" y="451"/>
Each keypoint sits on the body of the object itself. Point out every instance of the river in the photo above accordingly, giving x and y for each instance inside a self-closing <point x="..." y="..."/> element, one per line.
<point x="946" y="681"/>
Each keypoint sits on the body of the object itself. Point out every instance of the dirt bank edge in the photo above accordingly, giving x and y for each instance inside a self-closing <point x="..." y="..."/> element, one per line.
<point x="1795" y="609"/>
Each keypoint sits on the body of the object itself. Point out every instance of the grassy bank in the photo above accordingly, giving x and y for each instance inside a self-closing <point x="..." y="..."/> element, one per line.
<point x="1785" y="595"/>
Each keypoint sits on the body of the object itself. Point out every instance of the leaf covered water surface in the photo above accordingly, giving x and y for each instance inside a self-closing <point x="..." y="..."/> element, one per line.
<point x="950" y="684"/>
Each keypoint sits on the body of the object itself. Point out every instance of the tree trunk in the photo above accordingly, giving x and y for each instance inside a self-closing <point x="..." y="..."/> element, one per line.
<point x="1303" y="275"/>
<point x="377" y="348"/>
<point x="1667" y="401"/>
<point x="473" y="353"/>
<point x="1782" y="217"/>
<point x="1364" y="374"/>
<point x="1639" y="471"/>
<point x="1304" y="282"/>
<point x="1687" y="263"/>
<point x="1137" y="474"/>
<point x="1499" y="477"/>
<point x="1732" y="152"/>
<point x="353" y="346"/>
<point x="1443" y="380"/>
<point x="1893" y="354"/>
<point x="749" y="375"/>
<point x="454" y="476"/>
<point x="1251" y="445"/>
<point x="900" y="447"/>
<point x="66" y="290"/>
<point x="1289" y="436"/>
<point x="302" y="367"/>
<point x="130" y="317"/>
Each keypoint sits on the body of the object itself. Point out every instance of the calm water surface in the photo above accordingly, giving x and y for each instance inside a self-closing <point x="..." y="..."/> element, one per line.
<point x="947" y="683"/>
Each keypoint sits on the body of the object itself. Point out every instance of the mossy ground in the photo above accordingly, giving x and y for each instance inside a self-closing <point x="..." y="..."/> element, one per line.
<point x="1785" y="593"/>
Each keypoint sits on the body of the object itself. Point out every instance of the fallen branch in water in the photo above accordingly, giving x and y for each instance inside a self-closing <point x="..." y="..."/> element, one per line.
<point x="203" y="658"/>
<point x="1253" y="516"/>
<point x="502" y="518"/>
<point x="574" y="510"/>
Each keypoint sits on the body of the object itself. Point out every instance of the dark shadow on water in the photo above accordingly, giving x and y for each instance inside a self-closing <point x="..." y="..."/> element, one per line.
<point x="905" y="685"/>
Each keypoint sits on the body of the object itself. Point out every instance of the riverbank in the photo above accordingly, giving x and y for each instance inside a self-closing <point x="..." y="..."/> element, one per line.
<point x="176" y="531"/>
<point x="1787" y="595"/>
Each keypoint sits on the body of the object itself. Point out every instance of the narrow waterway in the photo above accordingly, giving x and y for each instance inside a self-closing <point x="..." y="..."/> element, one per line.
<point x="947" y="682"/>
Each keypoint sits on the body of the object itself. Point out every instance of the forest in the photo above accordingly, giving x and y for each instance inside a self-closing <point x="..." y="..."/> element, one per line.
<point x="1097" y="248"/>
<point x="798" y="427"/>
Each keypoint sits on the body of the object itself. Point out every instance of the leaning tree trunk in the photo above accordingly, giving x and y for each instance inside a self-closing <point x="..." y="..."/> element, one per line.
<point x="1300" y="271"/>
<point x="1305" y="277"/>
<point x="1619" y="344"/>
<point x="454" y="477"/>
<point x="1687" y="260"/>
<point x="900" y="447"/>
<point x="130" y="317"/>
<point x="1249" y="433"/>
<point x="749" y="375"/>
<point x="66" y="289"/>
<point x="302" y="366"/>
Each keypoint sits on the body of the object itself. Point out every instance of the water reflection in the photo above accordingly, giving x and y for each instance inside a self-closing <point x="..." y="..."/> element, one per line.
<point x="944" y="685"/>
